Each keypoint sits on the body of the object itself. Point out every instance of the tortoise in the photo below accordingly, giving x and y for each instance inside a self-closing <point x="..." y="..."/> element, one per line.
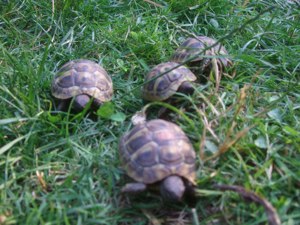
<point x="82" y="80"/>
<point x="157" y="153"/>
<point x="200" y="65"/>
<point x="166" y="85"/>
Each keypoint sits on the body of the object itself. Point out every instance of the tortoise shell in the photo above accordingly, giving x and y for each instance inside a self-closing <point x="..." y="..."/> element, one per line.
<point x="166" y="85"/>
<point x="156" y="149"/>
<point x="82" y="77"/>
<point x="193" y="46"/>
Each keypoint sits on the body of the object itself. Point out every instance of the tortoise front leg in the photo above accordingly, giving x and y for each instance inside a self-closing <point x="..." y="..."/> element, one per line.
<point x="97" y="103"/>
<point x="134" y="188"/>
<point x="63" y="105"/>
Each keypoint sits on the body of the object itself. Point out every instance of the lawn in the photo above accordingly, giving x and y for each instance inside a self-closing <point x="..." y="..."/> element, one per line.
<point x="64" y="168"/>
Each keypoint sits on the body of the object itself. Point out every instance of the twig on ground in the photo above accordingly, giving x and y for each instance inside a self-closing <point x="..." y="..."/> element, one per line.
<point x="153" y="3"/>
<point x="273" y="217"/>
<point x="40" y="176"/>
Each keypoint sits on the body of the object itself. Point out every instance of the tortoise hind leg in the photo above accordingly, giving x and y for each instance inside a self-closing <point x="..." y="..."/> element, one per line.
<point x="134" y="188"/>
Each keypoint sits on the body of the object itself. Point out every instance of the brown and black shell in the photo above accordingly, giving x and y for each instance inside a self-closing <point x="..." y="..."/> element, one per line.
<point x="166" y="85"/>
<point x="156" y="149"/>
<point x="82" y="77"/>
<point x="193" y="46"/>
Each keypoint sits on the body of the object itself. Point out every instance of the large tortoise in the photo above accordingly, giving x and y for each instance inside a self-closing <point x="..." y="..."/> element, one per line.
<point x="82" y="80"/>
<point x="158" y="153"/>
<point x="163" y="81"/>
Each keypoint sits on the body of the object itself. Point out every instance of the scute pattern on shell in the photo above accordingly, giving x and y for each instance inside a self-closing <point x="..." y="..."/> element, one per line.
<point x="193" y="46"/>
<point x="157" y="149"/>
<point x="166" y="85"/>
<point x="82" y="77"/>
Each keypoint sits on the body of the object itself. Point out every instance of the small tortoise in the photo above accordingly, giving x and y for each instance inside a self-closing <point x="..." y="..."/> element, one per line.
<point x="201" y="65"/>
<point x="158" y="153"/>
<point x="83" y="80"/>
<point x="166" y="85"/>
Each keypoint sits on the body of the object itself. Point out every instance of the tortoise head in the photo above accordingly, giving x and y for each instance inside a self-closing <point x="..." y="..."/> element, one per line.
<point x="172" y="188"/>
<point x="186" y="88"/>
<point x="80" y="102"/>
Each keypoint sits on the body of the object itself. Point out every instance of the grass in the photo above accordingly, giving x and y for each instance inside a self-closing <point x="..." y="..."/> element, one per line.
<point x="64" y="169"/>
